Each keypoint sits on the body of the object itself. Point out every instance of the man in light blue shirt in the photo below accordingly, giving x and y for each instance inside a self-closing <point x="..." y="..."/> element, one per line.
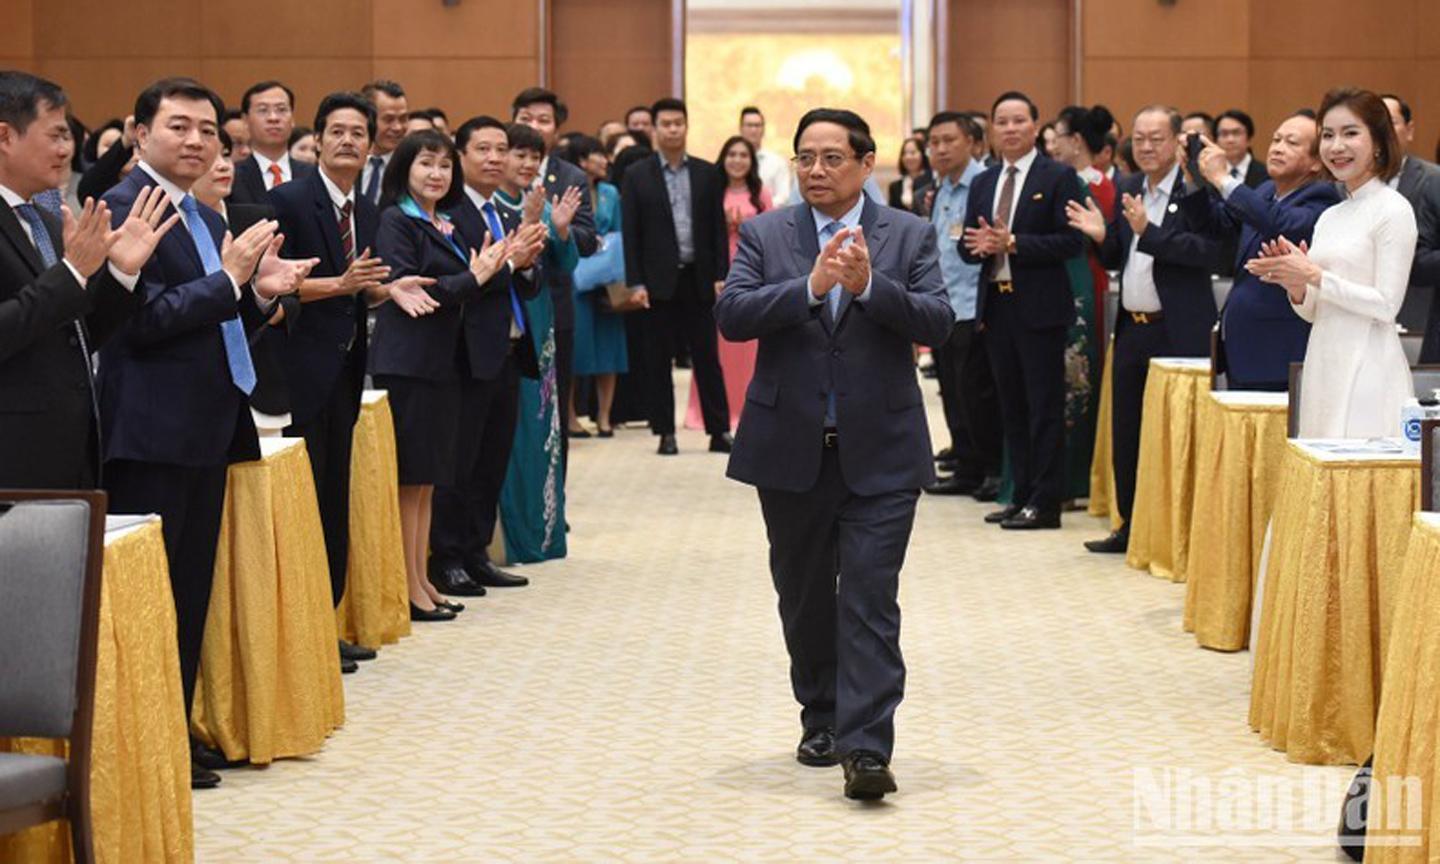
<point x="967" y="390"/>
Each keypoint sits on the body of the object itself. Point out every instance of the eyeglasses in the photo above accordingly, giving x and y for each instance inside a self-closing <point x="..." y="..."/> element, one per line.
<point x="830" y="160"/>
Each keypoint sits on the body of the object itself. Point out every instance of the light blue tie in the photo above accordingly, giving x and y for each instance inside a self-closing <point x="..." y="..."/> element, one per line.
<point x="237" y="350"/>
<point x="497" y="233"/>
<point x="832" y="298"/>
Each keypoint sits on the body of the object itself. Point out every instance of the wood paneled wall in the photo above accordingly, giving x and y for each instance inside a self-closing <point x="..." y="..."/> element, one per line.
<point x="607" y="55"/>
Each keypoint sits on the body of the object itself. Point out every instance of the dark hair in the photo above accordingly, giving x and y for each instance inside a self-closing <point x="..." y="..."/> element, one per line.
<point x="342" y="100"/>
<point x="582" y="147"/>
<point x="752" y="177"/>
<point x="21" y="95"/>
<point x="147" y="104"/>
<point x="1372" y="111"/>
<point x="231" y="114"/>
<point x="423" y="114"/>
<point x="227" y="144"/>
<point x="669" y="103"/>
<point x="750" y="109"/>
<point x="436" y="114"/>
<point x="924" y="157"/>
<point x="396" y="182"/>
<point x="522" y="137"/>
<point x="383" y="85"/>
<point x="1201" y="115"/>
<point x="534" y="95"/>
<point x="1172" y="114"/>
<point x="1126" y="153"/>
<point x="1015" y="96"/>
<point x="645" y="108"/>
<point x="1047" y="126"/>
<point x="613" y="137"/>
<point x="1305" y="112"/>
<point x="468" y="129"/>
<point x="297" y="133"/>
<point x="257" y="89"/>
<point x="960" y="118"/>
<point x="1404" y="106"/>
<point x="860" y="140"/>
<point x="92" y="141"/>
<point x="1091" y="124"/>
<point x="1239" y="117"/>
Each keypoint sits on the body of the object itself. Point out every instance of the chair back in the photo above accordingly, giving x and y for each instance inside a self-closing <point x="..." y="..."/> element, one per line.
<point x="1411" y="342"/>
<point x="1292" y="412"/>
<point x="1218" y="379"/>
<point x="1429" y="448"/>
<point x="1425" y="378"/>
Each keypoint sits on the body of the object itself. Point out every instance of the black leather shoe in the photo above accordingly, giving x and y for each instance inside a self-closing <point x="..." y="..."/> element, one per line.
<point x="1031" y="518"/>
<point x="456" y="581"/>
<point x="203" y="778"/>
<point x="721" y="443"/>
<point x="1118" y="541"/>
<point x="999" y="516"/>
<point x="450" y="606"/>
<point x="212" y="758"/>
<point x="347" y="666"/>
<point x="486" y="573"/>
<point x="988" y="491"/>
<point x="946" y="455"/>
<point x="817" y="748"/>
<point x="582" y="432"/>
<point x="355" y="652"/>
<point x="436" y="614"/>
<point x="952" y="485"/>
<point x="867" y="777"/>
<point x="667" y="446"/>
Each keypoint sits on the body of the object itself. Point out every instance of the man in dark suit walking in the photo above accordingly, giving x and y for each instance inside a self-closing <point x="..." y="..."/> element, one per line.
<point x="1015" y="224"/>
<point x="269" y="112"/>
<point x="676" y="253"/>
<point x="59" y="298"/>
<point x="175" y="378"/>
<point x="1167" y="305"/>
<point x="834" y="434"/>
<point x="1419" y="182"/>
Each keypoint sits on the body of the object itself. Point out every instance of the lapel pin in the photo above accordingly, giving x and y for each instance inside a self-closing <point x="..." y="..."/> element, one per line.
<point x="550" y="179"/>
<point x="1173" y="207"/>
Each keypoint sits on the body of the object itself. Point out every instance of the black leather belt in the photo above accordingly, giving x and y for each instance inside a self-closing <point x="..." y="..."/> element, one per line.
<point x="1146" y="317"/>
<point x="831" y="439"/>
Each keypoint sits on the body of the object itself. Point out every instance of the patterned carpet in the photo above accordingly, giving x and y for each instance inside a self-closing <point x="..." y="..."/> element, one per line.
<point x="633" y="703"/>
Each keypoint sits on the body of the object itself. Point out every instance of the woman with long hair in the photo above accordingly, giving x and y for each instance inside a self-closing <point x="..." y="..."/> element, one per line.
<point x="908" y="192"/>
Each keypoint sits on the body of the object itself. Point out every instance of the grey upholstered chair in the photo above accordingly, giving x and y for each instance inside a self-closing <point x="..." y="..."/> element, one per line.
<point x="1429" y="469"/>
<point x="1425" y="378"/>
<point x="51" y="553"/>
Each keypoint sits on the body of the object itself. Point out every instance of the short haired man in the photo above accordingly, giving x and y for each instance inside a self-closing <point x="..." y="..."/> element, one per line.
<point x="269" y="111"/>
<point x="1233" y="132"/>
<point x="774" y="168"/>
<point x="642" y="122"/>
<point x="392" y="123"/>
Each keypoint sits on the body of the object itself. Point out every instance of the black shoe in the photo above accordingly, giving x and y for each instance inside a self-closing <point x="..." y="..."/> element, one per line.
<point x="356" y="652"/>
<point x="605" y="433"/>
<point x="721" y="443"/>
<point x="456" y="581"/>
<point x="867" y="777"/>
<point x="450" y="606"/>
<point x="999" y="516"/>
<point x="436" y="614"/>
<point x="988" y="491"/>
<point x="347" y="666"/>
<point x="582" y="432"/>
<point x="1118" y="541"/>
<point x="1030" y="518"/>
<point x="203" y="778"/>
<point x="212" y="758"/>
<point x="487" y="574"/>
<point x="817" y="748"/>
<point x="952" y="485"/>
<point x="946" y="455"/>
<point x="667" y="446"/>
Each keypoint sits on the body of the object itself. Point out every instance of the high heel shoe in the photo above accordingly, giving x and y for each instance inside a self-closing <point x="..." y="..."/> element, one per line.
<point x="606" y="433"/>
<point x="450" y="605"/>
<point x="582" y="432"/>
<point x="436" y="614"/>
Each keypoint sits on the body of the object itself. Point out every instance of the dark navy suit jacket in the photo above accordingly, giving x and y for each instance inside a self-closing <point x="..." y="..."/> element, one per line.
<point x="166" y="394"/>
<point x="865" y="355"/>
<point x="487" y="317"/>
<point x="249" y="185"/>
<point x="561" y="175"/>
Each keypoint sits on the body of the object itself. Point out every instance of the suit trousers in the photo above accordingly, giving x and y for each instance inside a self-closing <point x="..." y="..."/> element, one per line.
<point x="1029" y="368"/>
<point x="465" y="510"/>
<point x="191" y="503"/>
<point x="972" y="411"/>
<point x="835" y="559"/>
<point x="330" y="438"/>
<point x="687" y="318"/>
<point x="1135" y="345"/>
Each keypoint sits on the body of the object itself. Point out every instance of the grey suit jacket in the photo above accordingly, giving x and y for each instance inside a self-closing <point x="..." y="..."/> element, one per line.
<point x="864" y="354"/>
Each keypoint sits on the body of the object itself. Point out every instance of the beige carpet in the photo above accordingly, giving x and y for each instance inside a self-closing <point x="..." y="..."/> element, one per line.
<point x="633" y="703"/>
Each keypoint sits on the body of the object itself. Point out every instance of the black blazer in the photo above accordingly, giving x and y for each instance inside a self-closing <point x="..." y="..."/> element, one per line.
<point x="47" y="421"/>
<point x="652" y="255"/>
<point x="425" y="347"/>
<point x="486" y="329"/>
<point x="328" y="331"/>
<point x="1044" y="240"/>
<point x="165" y="389"/>
<point x="1256" y="174"/>
<point x="559" y="176"/>
<point x="102" y="176"/>
<point x="271" y="394"/>
<point x="917" y="197"/>
<point x="249" y="185"/>
<point x="1184" y="255"/>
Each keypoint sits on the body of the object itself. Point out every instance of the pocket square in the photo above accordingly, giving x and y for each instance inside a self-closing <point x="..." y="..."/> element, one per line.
<point x="1037" y="196"/>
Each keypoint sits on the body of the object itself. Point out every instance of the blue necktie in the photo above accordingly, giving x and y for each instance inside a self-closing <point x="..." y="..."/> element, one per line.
<point x="237" y="350"/>
<point x="372" y="189"/>
<point x="46" y="247"/>
<point x="48" y="200"/>
<point x="832" y="299"/>
<point x="497" y="233"/>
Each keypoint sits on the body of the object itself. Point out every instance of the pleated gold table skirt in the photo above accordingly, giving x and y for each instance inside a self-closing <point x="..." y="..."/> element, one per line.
<point x="376" y="607"/>
<point x="1239" y="444"/>
<point x="140" y="769"/>
<point x="1165" y="482"/>
<point x="269" y="684"/>
<point x="1340" y="529"/>
<point x="1102" y="462"/>
<point x="1404" y="815"/>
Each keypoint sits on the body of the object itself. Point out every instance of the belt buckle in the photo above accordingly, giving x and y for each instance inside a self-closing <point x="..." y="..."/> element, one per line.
<point x="831" y="439"/>
<point x="1140" y="317"/>
<point x="1006" y="287"/>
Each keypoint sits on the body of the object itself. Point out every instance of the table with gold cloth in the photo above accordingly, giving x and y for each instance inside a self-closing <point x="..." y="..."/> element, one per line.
<point x="1341" y="524"/>
<point x="1239" y="444"/>
<point x="269" y="684"/>
<point x="1165" y="481"/>
<point x="1407" y="729"/>
<point x="1102" y="461"/>
<point x="140" y="769"/>
<point x="376" y="607"/>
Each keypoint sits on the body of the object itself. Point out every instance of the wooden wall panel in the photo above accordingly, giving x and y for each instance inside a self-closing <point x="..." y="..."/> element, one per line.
<point x="106" y="87"/>
<point x="17" y="35"/>
<point x="1126" y="86"/>
<point x="310" y="78"/>
<point x="1145" y="28"/>
<point x="1020" y="45"/>
<point x="1333" y="29"/>
<point x="471" y="29"/>
<point x="606" y="55"/>
<point x="102" y="28"/>
<point x="287" y="28"/>
<point x="463" y="88"/>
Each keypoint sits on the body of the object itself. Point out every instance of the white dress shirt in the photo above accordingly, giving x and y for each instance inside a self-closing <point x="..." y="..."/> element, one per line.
<point x="1137" y="284"/>
<point x="338" y="200"/>
<point x="1022" y="165"/>
<point x="14" y="200"/>
<point x="269" y="176"/>
<point x="176" y="195"/>
<point x="1241" y="168"/>
<point x="774" y="176"/>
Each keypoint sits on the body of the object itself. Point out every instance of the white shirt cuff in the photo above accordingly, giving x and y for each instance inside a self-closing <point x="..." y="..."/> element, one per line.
<point x="74" y="272"/>
<point x="865" y="295"/>
<point x="233" y="284"/>
<point x="126" y="281"/>
<point x="810" y="292"/>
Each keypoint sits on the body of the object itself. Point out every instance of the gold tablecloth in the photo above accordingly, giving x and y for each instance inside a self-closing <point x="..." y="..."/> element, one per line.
<point x="1102" y="463"/>
<point x="140" y="768"/>
<point x="269" y="684"/>
<point x="1407" y="730"/>
<point x="1165" y="481"/>
<point x="376" y="607"/>
<point x="1341" y="525"/>
<point x="1239" y="444"/>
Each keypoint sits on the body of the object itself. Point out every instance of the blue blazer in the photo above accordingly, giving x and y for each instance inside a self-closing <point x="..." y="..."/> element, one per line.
<point x="1044" y="240"/>
<point x="1262" y="334"/>
<point x="165" y="388"/>
<point x="487" y="317"/>
<point x="318" y="340"/>
<point x="864" y="355"/>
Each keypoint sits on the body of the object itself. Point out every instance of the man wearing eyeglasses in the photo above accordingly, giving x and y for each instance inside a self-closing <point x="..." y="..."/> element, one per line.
<point x="268" y="109"/>
<point x="834" y="434"/>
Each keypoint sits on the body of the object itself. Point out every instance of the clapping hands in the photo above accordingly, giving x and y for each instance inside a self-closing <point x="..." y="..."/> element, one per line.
<point x="1283" y="263"/>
